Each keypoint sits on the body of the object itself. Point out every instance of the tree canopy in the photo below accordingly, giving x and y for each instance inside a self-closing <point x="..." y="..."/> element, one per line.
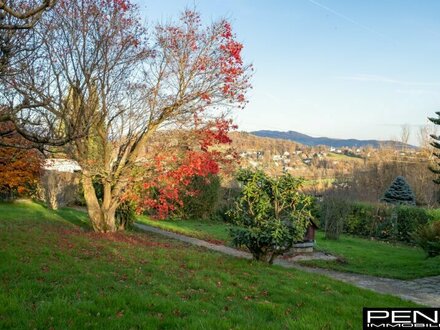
<point x="103" y="83"/>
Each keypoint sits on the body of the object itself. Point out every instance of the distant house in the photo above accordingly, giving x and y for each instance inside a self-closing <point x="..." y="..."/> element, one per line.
<point x="61" y="165"/>
<point x="60" y="182"/>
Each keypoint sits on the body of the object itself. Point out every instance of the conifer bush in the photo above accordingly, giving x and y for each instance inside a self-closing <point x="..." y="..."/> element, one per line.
<point x="399" y="193"/>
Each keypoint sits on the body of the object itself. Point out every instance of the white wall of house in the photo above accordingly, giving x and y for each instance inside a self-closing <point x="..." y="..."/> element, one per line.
<point x="61" y="165"/>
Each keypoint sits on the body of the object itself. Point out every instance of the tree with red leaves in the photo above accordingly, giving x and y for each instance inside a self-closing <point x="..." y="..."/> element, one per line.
<point x="100" y="69"/>
<point x="170" y="175"/>
<point x="20" y="168"/>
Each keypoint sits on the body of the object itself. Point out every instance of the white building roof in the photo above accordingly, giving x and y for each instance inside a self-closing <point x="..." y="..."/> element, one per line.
<point x="61" y="165"/>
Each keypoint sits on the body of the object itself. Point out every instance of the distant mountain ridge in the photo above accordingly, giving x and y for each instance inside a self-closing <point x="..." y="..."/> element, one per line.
<point x="325" y="141"/>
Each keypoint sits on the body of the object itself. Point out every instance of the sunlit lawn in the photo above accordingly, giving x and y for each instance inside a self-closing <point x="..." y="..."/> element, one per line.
<point x="210" y="230"/>
<point x="357" y="255"/>
<point x="56" y="274"/>
<point x="376" y="258"/>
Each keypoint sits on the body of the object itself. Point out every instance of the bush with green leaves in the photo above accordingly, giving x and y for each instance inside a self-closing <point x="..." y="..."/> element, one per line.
<point x="334" y="214"/>
<point x="428" y="238"/>
<point x="409" y="218"/>
<point x="381" y="221"/>
<point x="368" y="220"/>
<point x="204" y="202"/>
<point x="270" y="214"/>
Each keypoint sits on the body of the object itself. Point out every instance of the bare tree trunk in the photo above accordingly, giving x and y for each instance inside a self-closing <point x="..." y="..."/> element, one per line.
<point x="102" y="217"/>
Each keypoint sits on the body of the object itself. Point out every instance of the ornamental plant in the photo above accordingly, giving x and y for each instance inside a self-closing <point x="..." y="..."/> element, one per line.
<point x="428" y="238"/>
<point x="399" y="193"/>
<point x="183" y="180"/>
<point x="270" y="214"/>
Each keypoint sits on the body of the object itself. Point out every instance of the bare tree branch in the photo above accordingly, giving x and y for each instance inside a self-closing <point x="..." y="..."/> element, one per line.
<point x="25" y="18"/>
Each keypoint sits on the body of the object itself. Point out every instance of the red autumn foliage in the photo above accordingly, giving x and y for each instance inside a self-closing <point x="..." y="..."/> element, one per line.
<point x="222" y="63"/>
<point x="19" y="168"/>
<point x="224" y="80"/>
<point x="171" y="171"/>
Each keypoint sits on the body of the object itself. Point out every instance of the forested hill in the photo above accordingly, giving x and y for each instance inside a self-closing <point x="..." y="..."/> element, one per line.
<point x="337" y="143"/>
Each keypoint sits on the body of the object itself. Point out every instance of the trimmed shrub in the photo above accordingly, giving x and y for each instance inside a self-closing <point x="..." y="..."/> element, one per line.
<point x="204" y="202"/>
<point x="270" y="214"/>
<point x="334" y="214"/>
<point x="373" y="220"/>
<point x="368" y="220"/>
<point x="408" y="220"/>
<point x="428" y="238"/>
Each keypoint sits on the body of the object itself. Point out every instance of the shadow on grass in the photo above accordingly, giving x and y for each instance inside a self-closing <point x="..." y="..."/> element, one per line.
<point x="75" y="217"/>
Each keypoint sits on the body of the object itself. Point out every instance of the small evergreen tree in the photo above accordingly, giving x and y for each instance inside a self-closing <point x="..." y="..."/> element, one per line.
<point x="270" y="214"/>
<point x="436" y="144"/>
<point x="399" y="193"/>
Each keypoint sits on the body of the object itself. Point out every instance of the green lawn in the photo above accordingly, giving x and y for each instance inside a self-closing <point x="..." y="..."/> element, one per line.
<point x="54" y="274"/>
<point x="376" y="258"/>
<point x="358" y="255"/>
<point x="214" y="231"/>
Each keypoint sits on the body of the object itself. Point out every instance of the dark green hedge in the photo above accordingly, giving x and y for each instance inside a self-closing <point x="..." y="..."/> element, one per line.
<point x="203" y="204"/>
<point x="380" y="221"/>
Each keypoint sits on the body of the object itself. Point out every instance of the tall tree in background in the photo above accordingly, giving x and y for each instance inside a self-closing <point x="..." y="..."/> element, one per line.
<point x="99" y="71"/>
<point x="435" y="143"/>
<point x="405" y="135"/>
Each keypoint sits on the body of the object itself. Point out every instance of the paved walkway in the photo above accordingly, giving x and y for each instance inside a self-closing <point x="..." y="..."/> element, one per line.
<point x="425" y="291"/>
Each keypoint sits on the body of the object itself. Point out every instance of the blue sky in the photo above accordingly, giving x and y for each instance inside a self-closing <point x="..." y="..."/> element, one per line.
<point x="358" y="69"/>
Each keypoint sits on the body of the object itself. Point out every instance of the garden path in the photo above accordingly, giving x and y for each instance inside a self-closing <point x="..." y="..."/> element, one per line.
<point x="425" y="291"/>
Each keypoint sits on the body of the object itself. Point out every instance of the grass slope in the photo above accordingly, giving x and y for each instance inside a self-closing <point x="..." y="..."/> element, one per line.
<point x="56" y="274"/>
<point x="360" y="255"/>
<point x="215" y="231"/>
<point x="376" y="258"/>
